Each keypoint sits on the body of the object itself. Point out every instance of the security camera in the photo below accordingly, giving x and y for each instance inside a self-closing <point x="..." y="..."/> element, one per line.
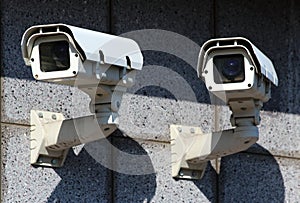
<point x="62" y="53"/>
<point x="238" y="73"/>
<point x="101" y="65"/>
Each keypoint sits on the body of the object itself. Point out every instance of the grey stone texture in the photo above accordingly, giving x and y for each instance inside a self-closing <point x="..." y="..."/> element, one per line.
<point x="167" y="91"/>
<point x="259" y="178"/>
<point x="158" y="186"/>
<point x="82" y="179"/>
<point x="149" y="117"/>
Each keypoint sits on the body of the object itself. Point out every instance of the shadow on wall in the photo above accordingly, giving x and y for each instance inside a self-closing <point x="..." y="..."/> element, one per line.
<point x="169" y="72"/>
<point x="86" y="178"/>
<point x="243" y="177"/>
<point x="82" y="180"/>
<point x="130" y="187"/>
<point x="248" y="177"/>
<point x="251" y="178"/>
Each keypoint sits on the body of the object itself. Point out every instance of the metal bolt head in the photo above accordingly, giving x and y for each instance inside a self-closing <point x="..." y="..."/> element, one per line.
<point x="179" y="129"/>
<point x="181" y="173"/>
<point x="194" y="173"/>
<point x="40" y="115"/>
<point x="192" y="130"/>
<point x="54" y="161"/>
<point x="118" y="104"/>
<point x="53" y="116"/>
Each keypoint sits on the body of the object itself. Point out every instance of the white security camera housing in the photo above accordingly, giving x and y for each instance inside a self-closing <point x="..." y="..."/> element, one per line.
<point x="248" y="72"/>
<point x="84" y="52"/>
<point x="101" y="65"/>
<point x="237" y="72"/>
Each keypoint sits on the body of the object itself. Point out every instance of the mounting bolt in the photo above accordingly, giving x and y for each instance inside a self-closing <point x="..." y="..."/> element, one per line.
<point x="118" y="104"/>
<point x="53" y="116"/>
<point x="40" y="115"/>
<point x="181" y="173"/>
<point x="194" y="173"/>
<point x="54" y="161"/>
<point x="179" y="129"/>
<point x="40" y="160"/>
<point x="192" y="130"/>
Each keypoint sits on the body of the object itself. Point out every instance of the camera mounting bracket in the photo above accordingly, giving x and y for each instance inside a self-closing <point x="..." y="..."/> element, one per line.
<point x="52" y="135"/>
<point x="191" y="149"/>
<point x="245" y="112"/>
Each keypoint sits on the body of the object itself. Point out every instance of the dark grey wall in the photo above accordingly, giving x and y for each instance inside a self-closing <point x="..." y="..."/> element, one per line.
<point x="268" y="172"/>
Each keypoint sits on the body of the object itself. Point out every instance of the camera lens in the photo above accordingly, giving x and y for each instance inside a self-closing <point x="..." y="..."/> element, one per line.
<point x="232" y="68"/>
<point x="229" y="68"/>
<point x="60" y="53"/>
<point x="54" y="56"/>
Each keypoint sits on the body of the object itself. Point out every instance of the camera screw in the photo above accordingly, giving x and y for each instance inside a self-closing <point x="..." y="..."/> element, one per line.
<point x="53" y="116"/>
<point x="40" y="115"/>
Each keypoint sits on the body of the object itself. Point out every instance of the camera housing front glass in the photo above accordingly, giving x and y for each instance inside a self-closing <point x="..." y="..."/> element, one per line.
<point x="229" y="68"/>
<point x="54" y="56"/>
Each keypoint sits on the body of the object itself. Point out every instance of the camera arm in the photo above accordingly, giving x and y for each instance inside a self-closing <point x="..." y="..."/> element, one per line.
<point x="191" y="148"/>
<point x="52" y="135"/>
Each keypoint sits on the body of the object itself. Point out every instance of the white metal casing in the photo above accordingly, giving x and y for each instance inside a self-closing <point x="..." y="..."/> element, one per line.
<point x="90" y="46"/>
<point x="263" y="65"/>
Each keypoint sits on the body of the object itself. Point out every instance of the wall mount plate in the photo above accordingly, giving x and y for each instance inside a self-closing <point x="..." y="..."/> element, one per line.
<point x="182" y="137"/>
<point x="40" y="154"/>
